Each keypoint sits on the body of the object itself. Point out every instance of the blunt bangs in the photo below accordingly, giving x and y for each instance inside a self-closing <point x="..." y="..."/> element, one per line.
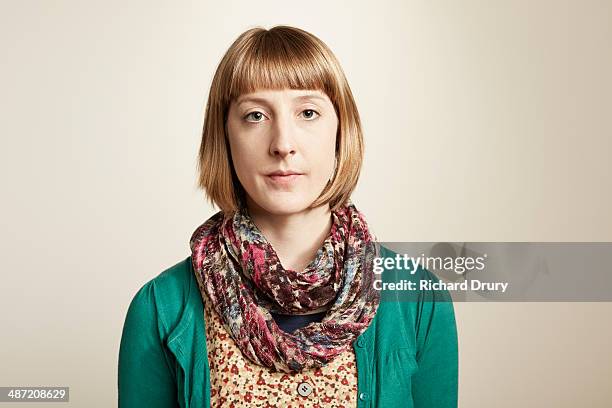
<point x="279" y="59"/>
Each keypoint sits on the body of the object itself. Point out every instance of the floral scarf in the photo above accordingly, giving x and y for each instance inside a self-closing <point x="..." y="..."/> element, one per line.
<point x="239" y="271"/>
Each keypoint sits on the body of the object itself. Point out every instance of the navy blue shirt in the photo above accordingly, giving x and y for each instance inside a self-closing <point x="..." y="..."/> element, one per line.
<point x="289" y="323"/>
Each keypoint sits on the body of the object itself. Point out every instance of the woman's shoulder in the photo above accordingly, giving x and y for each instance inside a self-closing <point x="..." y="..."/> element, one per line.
<point x="174" y="282"/>
<point x="399" y="275"/>
<point x="412" y="316"/>
<point x="165" y="297"/>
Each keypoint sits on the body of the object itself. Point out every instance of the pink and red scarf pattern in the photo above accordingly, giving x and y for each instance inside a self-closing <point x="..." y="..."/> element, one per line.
<point x="239" y="271"/>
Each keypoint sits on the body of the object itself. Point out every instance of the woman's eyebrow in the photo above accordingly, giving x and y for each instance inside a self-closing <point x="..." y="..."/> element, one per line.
<point x="255" y="99"/>
<point x="242" y="100"/>
<point x="309" y="96"/>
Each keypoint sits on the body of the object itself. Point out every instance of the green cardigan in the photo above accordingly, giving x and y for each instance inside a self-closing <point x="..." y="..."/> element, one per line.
<point x="406" y="358"/>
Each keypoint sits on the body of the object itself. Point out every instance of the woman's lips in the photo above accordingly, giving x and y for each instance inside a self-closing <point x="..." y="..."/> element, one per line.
<point x="284" y="180"/>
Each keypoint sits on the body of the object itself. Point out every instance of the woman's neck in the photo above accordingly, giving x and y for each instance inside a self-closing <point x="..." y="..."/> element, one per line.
<point x="297" y="237"/>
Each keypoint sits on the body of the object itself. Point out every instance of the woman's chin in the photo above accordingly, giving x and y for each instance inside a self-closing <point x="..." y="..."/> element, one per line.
<point x="285" y="204"/>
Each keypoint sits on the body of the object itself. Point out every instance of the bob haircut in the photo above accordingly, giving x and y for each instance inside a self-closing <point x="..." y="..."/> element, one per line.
<point x="283" y="57"/>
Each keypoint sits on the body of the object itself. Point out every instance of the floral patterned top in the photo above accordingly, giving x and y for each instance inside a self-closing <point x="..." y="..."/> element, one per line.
<point x="237" y="382"/>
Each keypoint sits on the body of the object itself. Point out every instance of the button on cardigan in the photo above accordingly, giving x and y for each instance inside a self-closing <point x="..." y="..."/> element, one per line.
<point x="406" y="358"/>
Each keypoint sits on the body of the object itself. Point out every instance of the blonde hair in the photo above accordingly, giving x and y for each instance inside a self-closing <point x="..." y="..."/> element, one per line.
<point x="282" y="57"/>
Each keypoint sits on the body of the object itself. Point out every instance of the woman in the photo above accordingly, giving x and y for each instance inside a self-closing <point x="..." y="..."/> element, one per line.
<point x="275" y="306"/>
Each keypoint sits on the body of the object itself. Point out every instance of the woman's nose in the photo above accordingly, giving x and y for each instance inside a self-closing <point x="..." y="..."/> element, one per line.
<point x="282" y="142"/>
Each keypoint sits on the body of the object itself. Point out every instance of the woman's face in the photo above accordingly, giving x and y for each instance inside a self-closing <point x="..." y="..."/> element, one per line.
<point x="282" y="131"/>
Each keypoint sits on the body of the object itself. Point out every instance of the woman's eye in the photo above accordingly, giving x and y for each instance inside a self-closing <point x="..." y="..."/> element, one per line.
<point x="255" y="115"/>
<point x="309" y="113"/>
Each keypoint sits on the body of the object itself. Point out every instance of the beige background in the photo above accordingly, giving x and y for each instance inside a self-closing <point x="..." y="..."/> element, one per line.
<point x="484" y="120"/>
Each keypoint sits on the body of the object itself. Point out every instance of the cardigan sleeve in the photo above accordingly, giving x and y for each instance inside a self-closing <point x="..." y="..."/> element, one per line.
<point x="145" y="377"/>
<point x="435" y="384"/>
